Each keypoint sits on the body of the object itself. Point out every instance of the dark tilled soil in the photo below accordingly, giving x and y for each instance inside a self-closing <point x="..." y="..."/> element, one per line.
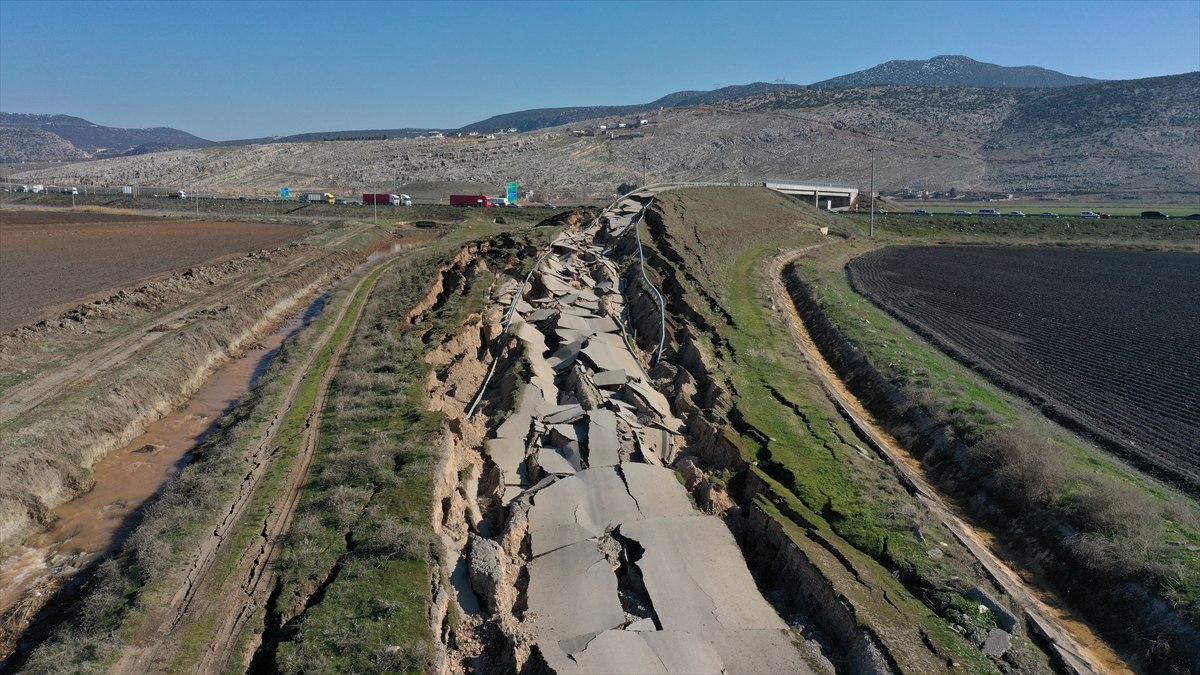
<point x="1104" y="340"/>
<point x="52" y="261"/>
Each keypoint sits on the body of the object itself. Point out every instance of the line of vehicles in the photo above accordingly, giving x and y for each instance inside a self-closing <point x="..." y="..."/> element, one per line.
<point x="995" y="213"/>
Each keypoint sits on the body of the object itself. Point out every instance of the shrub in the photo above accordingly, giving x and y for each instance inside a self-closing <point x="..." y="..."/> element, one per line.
<point x="1026" y="466"/>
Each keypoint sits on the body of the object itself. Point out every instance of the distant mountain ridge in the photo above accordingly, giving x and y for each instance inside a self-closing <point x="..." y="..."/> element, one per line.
<point x="86" y="139"/>
<point x="955" y="71"/>
<point x="26" y="136"/>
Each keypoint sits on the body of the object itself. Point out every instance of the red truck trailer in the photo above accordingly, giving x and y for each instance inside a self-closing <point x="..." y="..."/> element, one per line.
<point x="469" y="200"/>
<point x="381" y="198"/>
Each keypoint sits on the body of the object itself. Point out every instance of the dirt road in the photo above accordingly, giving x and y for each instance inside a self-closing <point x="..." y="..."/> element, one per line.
<point x="1078" y="648"/>
<point x="224" y="603"/>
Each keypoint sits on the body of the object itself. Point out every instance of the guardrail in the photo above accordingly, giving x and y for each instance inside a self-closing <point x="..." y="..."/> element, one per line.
<point x="662" y="308"/>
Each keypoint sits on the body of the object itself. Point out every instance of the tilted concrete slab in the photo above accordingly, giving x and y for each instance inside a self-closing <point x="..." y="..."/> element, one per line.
<point x="566" y="355"/>
<point x="608" y="351"/>
<point x="603" y="324"/>
<point x="610" y="378"/>
<point x="603" y="445"/>
<point x="580" y="506"/>
<point x="573" y="590"/>
<point x="571" y="321"/>
<point x="535" y="342"/>
<point x="757" y="651"/>
<point x="657" y="491"/>
<point x="696" y="576"/>
<point x="625" y="652"/>
<point x="540" y="315"/>
<point x="552" y="461"/>
<point x="566" y="414"/>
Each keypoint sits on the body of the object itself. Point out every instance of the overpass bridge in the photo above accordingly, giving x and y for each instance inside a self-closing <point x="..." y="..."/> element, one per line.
<point x="828" y="196"/>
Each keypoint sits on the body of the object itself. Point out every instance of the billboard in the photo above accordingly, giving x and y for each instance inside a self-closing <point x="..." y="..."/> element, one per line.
<point x="512" y="193"/>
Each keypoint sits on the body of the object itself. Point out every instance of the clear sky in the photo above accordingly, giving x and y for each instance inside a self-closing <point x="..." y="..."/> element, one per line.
<point x="226" y="70"/>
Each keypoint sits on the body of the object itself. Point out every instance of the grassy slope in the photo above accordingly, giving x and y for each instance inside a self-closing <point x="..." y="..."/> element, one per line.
<point x="976" y="409"/>
<point x="828" y="484"/>
<point x="850" y="498"/>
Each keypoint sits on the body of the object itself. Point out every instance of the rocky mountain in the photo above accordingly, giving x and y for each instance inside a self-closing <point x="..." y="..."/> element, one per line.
<point x="1121" y="138"/>
<point x="954" y="71"/>
<point x="541" y="118"/>
<point x="23" y="136"/>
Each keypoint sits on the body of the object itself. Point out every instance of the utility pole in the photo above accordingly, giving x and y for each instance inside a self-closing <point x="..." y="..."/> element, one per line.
<point x="871" y="205"/>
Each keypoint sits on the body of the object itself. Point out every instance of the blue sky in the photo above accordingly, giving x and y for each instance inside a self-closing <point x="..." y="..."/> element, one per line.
<point x="225" y="70"/>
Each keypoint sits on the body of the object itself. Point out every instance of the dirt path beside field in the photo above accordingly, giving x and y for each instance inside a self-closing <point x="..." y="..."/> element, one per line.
<point x="232" y="599"/>
<point x="1078" y="648"/>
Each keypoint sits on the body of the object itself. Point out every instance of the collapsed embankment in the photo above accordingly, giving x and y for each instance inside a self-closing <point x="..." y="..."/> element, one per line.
<point x="1121" y="605"/>
<point x="844" y="609"/>
<point x="47" y="451"/>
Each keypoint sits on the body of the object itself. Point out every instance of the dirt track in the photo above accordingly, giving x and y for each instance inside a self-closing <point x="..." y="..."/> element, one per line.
<point x="1079" y="649"/>
<point x="232" y="599"/>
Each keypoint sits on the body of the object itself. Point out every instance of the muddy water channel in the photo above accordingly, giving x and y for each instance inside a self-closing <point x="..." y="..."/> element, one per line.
<point x="96" y="522"/>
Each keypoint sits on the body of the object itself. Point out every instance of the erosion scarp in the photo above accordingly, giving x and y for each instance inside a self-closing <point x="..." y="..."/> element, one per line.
<point x="574" y="546"/>
<point x="58" y="424"/>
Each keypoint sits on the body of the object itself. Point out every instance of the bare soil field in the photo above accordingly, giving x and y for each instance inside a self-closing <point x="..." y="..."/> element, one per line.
<point x="52" y="260"/>
<point x="1104" y="340"/>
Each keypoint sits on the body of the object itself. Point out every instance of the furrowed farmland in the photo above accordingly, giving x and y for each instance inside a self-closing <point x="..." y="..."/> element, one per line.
<point x="1105" y="341"/>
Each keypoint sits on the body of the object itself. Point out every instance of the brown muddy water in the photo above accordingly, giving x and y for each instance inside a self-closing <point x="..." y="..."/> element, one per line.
<point x="95" y="523"/>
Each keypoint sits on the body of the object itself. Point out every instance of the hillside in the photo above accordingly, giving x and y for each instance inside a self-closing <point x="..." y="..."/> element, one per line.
<point x="531" y="120"/>
<point x="1117" y="138"/>
<point x="954" y="71"/>
<point x="28" y="137"/>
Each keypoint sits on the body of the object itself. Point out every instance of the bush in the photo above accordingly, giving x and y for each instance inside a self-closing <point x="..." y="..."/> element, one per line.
<point x="1026" y="466"/>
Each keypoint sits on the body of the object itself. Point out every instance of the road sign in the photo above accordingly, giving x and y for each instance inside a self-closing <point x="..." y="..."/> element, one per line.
<point x="284" y="192"/>
<point x="512" y="193"/>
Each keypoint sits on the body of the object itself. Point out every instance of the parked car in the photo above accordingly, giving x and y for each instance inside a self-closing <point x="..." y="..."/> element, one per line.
<point x="1154" y="215"/>
<point x="69" y="191"/>
<point x="22" y="188"/>
<point x="881" y="212"/>
<point x="989" y="212"/>
<point x="1017" y="214"/>
<point x="549" y="206"/>
<point x="1194" y="216"/>
<point x="961" y="212"/>
<point x="1047" y="214"/>
<point x="1088" y="214"/>
<point x="921" y="212"/>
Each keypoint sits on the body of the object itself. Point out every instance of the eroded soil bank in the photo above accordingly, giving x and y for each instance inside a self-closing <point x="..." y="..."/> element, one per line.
<point x="580" y="533"/>
<point x="95" y="523"/>
<point x="134" y="358"/>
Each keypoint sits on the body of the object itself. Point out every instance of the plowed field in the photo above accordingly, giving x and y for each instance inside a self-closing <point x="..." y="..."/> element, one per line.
<point x="50" y="261"/>
<point x="1107" y="341"/>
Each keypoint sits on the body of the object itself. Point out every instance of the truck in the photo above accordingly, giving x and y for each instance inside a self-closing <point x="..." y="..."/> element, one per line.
<point x="469" y="200"/>
<point x="318" y="197"/>
<point x="383" y="198"/>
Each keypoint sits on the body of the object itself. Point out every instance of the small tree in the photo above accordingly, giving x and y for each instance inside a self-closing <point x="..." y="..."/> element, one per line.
<point x="625" y="188"/>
